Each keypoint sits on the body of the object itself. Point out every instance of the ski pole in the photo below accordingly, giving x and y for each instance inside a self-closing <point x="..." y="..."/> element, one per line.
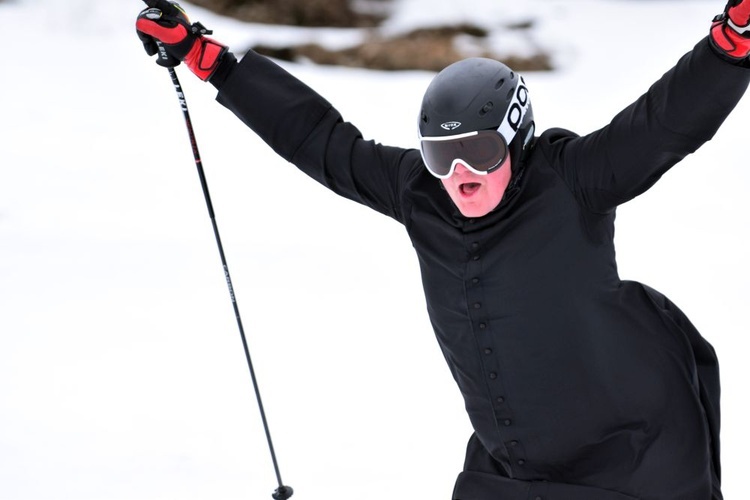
<point x="282" y="492"/>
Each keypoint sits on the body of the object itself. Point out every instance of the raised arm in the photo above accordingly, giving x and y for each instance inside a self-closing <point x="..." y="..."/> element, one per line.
<point x="299" y="124"/>
<point x="305" y="129"/>
<point x="678" y="114"/>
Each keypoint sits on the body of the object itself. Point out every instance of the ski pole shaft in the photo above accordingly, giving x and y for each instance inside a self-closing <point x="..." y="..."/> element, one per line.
<point x="282" y="492"/>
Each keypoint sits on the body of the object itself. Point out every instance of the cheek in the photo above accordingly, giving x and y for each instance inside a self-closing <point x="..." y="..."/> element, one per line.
<point x="495" y="191"/>
<point x="498" y="181"/>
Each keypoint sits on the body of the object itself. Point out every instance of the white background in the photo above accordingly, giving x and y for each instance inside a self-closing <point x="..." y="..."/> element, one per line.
<point x="122" y="374"/>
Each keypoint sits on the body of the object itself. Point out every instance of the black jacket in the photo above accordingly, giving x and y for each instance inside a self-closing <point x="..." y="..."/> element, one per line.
<point x="570" y="375"/>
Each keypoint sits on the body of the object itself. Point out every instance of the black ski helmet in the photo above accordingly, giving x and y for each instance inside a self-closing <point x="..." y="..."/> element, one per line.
<point x="478" y="94"/>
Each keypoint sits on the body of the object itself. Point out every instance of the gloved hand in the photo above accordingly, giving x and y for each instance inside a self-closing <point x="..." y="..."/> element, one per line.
<point x="164" y="28"/>
<point x="730" y="31"/>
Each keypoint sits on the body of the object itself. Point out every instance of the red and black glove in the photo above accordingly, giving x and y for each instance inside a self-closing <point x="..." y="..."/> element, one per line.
<point x="165" y="29"/>
<point x="730" y="31"/>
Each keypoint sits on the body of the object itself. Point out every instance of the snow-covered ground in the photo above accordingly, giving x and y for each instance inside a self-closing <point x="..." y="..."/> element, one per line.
<point x="121" y="370"/>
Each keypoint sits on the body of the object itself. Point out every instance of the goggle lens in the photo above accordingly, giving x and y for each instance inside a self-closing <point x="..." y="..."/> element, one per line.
<point x="482" y="151"/>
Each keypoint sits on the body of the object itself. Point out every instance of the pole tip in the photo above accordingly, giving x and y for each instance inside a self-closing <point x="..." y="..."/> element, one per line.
<point x="283" y="493"/>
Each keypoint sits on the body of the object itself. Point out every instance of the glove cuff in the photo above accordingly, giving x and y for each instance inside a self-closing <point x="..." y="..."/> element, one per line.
<point x="727" y="43"/>
<point x="204" y="57"/>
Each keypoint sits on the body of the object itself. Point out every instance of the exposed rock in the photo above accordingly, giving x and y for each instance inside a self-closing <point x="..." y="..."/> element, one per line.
<point x="424" y="49"/>
<point x="332" y="13"/>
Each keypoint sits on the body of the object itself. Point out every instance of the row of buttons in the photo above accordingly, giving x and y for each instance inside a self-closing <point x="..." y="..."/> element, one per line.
<point x="484" y="338"/>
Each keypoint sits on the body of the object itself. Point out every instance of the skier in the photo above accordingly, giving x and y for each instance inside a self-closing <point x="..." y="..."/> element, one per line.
<point x="579" y="385"/>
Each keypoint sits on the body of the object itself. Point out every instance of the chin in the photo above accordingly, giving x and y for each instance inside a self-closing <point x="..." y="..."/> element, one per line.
<point x="474" y="212"/>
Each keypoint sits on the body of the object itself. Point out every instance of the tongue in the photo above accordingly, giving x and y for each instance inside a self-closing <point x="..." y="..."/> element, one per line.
<point x="469" y="188"/>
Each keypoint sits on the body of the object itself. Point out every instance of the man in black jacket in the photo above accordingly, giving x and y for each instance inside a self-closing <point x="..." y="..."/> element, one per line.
<point x="578" y="385"/>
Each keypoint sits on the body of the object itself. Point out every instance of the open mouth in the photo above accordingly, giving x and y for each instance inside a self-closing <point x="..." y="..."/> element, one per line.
<point x="469" y="188"/>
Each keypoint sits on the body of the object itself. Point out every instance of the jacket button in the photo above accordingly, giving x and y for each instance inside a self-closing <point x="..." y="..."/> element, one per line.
<point x="476" y="257"/>
<point x="487" y="350"/>
<point x="501" y="399"/>
<point x="475" y="245"/>
<point x="514" y="443"/>
<point x="475" y="280"/>
<point x="482" y="326"/>
<point x="507" y="422"/>
<point x="521" y="461"/>
<point x="477" y="305"/>
<point x="493" y="375"/>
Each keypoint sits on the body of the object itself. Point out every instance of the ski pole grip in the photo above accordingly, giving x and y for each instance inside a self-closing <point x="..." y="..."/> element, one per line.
<point x="164" y="6"/>
<point x="164" y="58"/>
<point x="283" y="493"/>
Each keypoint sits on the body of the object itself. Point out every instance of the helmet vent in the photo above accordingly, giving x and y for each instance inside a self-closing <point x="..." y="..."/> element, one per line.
<point x="486" y="108"/>
<point x="510" y="94"/>
<point x="425" y="118"/>
<point x="500" y="84"/>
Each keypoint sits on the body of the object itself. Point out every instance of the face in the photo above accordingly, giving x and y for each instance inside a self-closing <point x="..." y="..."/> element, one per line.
<point x="477" y="195"/>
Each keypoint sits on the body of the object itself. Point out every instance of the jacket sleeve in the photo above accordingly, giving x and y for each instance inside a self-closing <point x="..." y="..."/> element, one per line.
<point x="679" y="113"/>
<point x="305" y="129"/>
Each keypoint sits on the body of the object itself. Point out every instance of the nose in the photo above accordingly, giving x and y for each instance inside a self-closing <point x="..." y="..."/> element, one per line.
<point x="460" y="169"/>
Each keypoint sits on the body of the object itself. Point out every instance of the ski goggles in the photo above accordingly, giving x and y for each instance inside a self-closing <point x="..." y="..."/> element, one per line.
<point x="481" y="151"/>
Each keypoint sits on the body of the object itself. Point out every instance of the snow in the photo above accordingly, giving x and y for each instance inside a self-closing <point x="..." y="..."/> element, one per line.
<point x="122" y="374"/>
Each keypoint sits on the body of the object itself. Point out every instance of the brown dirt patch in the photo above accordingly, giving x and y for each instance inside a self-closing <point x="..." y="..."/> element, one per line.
<point x="425" y="49"/>
<point x="314" y="13"/>
<point x="429" y="49"/>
